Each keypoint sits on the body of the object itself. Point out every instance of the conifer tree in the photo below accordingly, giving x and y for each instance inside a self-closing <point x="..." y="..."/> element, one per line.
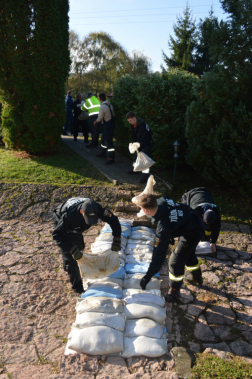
<point x="183" y="45"/>
<point x="34" y="61"/>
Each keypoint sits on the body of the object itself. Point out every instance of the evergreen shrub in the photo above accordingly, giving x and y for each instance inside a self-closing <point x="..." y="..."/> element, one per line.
<point x="34" y="61"/>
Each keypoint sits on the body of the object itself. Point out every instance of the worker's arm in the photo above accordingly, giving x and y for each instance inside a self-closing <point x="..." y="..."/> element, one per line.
<point x="108" y="217"/>
<point x="216" y="227"/>
<point x="85" y="106"/>
<point x="144" y="136"/>
<point x="100" y="115"/>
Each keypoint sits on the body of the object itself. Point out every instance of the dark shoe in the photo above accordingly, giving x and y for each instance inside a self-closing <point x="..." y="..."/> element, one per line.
<point x="132" y="172"/>
<point x="194" y="277"/>
<point x="144" y="178"/>
<point x="173" y="295"/>
<point x="110" y="161"/>
<point x="101" y="155"/>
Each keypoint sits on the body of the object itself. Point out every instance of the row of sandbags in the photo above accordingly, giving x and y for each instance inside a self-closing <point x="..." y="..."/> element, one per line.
<point x="114" y="316"/>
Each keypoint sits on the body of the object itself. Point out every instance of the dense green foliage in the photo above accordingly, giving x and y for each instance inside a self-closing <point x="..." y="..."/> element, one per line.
<point x="161" y="100"/>
<point x="210" y="367"/>
<point x="219" y="123"/>
<point x="34" y="61"/>
<point x="98" y="61"/>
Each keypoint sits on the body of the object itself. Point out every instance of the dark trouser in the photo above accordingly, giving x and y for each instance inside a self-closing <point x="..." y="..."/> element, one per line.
<point x="69" y="263"/>
<point x="183" y="256"/>
<point x="107" y="139"/>
<point x="69" y="118"/>
<point x="95" y="129"/>
<point x="84" y="125"/>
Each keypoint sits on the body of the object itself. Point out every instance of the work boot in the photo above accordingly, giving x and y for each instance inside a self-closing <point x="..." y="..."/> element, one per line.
<point x="172" y="295"/>
<point x="110" y="161"/>
<point x="131" y="171"/>
<point x="144" y="178"/>
<point x="194" y="277"/>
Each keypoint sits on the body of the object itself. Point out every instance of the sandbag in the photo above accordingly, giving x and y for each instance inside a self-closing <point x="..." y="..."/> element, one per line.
<point x="203" y="247"/>
<point x="88" y="282"/>
<point x="148" y="189"/>
<point x="95" y="266"/>
<point x="96" y="340"/>
<point x="88" y="319"/>
<point x="143" y="228"/>
<point x="149" y="347"/>
<point x="136" y="260"/>
<point x="139" y="251"/>
<point x="119" y="274"/>
<point x="133" y="291"/>
<point x="141" y="235"/>
<point x="133" y="147"/>
<point x="133" y="281"/>
<point x="145" y="298"/>
<point x="103" y="289"/>
<point x="135" y="268"/>
<point x="125" y="228"/>
<point x="145" y="310"/>
<point x="142" y="162"/>
<point x="100" y="304"/>
<point x="149" y="241"/>
<point x="143" y="327"/>
<point x="139" y="246"/>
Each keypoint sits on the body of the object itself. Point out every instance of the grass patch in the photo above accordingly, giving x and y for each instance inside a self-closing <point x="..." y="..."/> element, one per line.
<point x="208" y="367"/>
<point x="63" y="166"/>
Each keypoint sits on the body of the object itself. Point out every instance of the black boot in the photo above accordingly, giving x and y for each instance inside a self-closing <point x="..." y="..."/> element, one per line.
<point x="194" y="277"/>
<point x="172" y="295"/>
<point x="144" y="178"/>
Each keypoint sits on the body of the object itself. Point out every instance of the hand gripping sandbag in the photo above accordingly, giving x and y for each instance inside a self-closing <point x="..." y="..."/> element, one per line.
<point x="95" y="266"/>
<point x="133" y="147"/>
<point x="143" y="162"/>
<point x="147" y="191"/>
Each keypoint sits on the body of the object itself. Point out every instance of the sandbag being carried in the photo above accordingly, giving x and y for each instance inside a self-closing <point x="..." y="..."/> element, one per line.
<point x="145" y="310"/>
<point x="100" y="304"/>
<point x="143" y="327"/>
<point x="145" y="298"/>
<point x="150" y="347"/>
<point x="148" y="189"/>
<point x="88" y="319"/>
<point x="142" y="162"/>
<point x="203" y="247"/>
<point x="133" y="281"/>
<point x="96" y="340"/>
<point x="98" y="265"/>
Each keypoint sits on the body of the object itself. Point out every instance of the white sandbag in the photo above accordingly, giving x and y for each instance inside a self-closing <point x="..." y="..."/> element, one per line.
<point x="133" y="281"/>
<point x="141" y="227"/>
<point x="143" y="327"/>
<point x="149" y="241"/>
<point x="88" y="319"/>
<point x="96" y="340"/>
<point x="145" y="298"/>
<point x="88" y="282"/>
<point x="100" y="305"/>
<point x="149" y="347"/>
<point x="135" y="260"/>
<point x="133" y="147"/>
<point x="142" y="235"/>
<point x="98" y="265"/>
<point x="140" y="250"/>
<point x="203" y="247"/>
<point x="108" y="283"/>
<point x="139" y="246"/>
<point x="147" y="191"/>
<point x="133" y="291"/>
<point x="69" y="351"/>
<point x="142" y="162"/>
<point x="145" y="310"/>
<point x="122" y="255"/>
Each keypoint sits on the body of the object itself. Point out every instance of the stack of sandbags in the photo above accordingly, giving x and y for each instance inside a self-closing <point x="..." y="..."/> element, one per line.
<point x="203" y="248"/>
<point x="100" y="321"/>
<point x="145" y="311"/>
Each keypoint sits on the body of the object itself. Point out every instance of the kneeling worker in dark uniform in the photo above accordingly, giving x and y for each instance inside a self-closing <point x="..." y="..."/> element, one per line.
<point x="71" y="219"/>
<point x="173" y="220"/>
<point x="202" y="201"/>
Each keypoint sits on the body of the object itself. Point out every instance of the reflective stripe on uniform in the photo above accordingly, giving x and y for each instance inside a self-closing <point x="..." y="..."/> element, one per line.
<point x="91" y="114"/>
<point x="176" y="278"/>
<point x="208" y="233"/>
<point x="111" y="149"/>
<point x="105" y="147"/>
<point x="193" y="268"/>
<point x="93" y="106"/>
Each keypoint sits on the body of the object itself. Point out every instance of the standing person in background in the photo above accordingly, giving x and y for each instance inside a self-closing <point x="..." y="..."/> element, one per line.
<point x="69" y="113"/>
<point x="92" y="105"/>
<point x="140" y="132"/>
<point x="106" y="113"/>
<point x="83" y="123"/>
<point x="202" y="201"/>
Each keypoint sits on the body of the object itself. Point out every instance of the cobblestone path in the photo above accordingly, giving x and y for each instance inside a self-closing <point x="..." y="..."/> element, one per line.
<point x="37" y="306"/>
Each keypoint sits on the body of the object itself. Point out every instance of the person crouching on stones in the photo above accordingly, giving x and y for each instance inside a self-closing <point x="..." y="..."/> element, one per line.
<point x="173" y="220"/>
<point x="71" y="219"/>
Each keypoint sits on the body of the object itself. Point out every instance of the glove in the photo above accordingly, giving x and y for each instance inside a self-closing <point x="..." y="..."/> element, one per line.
<point x="76" y="253"/>
<point x="144" y="281"/>
<point x="116" y="244"/>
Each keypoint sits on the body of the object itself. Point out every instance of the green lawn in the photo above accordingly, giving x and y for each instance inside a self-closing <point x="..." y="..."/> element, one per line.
<point x="63" y="166"/>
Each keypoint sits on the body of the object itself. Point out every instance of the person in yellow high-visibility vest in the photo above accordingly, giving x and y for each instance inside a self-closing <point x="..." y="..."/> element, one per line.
<point x="92" y="106"/>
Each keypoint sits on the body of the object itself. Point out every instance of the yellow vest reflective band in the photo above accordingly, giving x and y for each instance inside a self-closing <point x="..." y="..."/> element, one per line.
<point x="193" y="268"/>
<point x="91" y="105"/>
<point x="175" y="278"/>
<point x="208" y="233"/>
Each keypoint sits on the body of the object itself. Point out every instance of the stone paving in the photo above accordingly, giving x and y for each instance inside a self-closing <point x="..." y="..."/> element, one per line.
<point x="37" y="306"/>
